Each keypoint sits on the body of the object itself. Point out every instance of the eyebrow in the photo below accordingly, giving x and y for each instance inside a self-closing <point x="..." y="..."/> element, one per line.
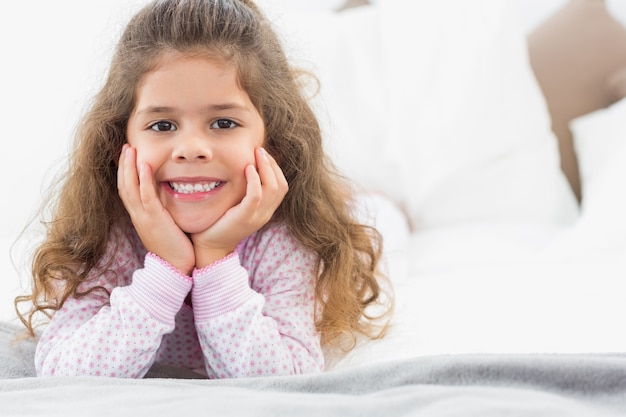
<point x="212" y="107"/>
<point x="155" y="110"/>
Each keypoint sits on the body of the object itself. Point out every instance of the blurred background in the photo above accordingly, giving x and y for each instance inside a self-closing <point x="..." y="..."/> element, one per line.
<point x="54" y="57"/>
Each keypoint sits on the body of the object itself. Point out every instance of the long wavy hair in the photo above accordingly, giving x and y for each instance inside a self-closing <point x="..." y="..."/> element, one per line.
<point x="317" y="207"/>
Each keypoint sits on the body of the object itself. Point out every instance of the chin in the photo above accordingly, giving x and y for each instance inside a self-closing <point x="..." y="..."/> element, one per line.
<point x="190" y="230"/>
<point x="194" y="226"/>
<point x="193" y="229"/>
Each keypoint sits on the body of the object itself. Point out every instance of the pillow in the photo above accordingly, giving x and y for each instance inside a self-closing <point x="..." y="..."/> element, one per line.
<point x="597" y="137"/>
<point x="473" y="129"/>
<point x="579" y="58"/>
<point x="435" y="105"/>
<point x="600" y="143"/>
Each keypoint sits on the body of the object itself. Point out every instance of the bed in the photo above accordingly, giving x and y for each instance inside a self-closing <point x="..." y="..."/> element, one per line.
<point x="492" y="157"/>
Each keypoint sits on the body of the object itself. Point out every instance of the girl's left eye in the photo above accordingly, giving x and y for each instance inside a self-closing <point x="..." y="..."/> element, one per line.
<point x="223" y="124"/>
<point x="163" y="126"/>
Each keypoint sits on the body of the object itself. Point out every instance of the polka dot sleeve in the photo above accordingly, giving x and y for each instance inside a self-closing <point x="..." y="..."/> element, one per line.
<point x="116" y="336"/>
<point x="254" y="311"/>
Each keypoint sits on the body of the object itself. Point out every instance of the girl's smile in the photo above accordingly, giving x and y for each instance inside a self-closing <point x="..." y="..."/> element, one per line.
<point x="197" y="129"/>
<point x="192" y="189"/>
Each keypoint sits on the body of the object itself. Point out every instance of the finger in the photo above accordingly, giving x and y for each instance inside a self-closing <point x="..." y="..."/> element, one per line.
<point x="147" y="187"/>
<point x="283" y="185"/>
<point x="275" y="185"/>
<point x="261" y="201"/>
<point x="130" y="180"/>
<point x="266" y="173"/>
<point x="254" y="190"/>
<point x="120" y="169"/>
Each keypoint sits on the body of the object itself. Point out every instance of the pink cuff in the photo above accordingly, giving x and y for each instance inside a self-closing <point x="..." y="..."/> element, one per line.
<point x="220" y="287"/>
<point x="159" y="288"/>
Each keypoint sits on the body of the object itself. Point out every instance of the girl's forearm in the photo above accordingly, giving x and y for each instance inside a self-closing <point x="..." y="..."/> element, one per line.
<point x="118" y="338"/>
<point x="245" y="333"/>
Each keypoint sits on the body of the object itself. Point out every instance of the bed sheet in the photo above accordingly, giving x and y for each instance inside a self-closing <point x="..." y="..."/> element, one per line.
<point x="501" y="289"/>
<point x="10" y="281"/>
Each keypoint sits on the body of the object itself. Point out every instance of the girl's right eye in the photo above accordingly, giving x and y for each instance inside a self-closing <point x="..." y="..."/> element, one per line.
<point x="163" y="126"/>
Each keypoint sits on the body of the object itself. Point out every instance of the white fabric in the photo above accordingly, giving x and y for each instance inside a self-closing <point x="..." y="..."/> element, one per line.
<point x="10" y="282"/>
<point x="600" y="143"/>
<point x="490" y="289"/>
<point x="435" y="105"/>
<point x="598" y="137"/>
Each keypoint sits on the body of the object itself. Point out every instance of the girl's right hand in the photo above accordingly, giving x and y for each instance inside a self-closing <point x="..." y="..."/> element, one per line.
<point x="153" y="223"/>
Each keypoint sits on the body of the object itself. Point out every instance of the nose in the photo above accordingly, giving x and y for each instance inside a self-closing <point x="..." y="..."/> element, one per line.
<point x="192" y="146"/>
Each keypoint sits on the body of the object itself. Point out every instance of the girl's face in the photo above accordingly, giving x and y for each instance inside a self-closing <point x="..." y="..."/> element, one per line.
<point x="197" y="129"/>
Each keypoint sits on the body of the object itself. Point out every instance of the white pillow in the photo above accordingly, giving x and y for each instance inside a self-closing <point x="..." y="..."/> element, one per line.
<point x="597" y="137"/>
<point x="473" y="130"/>
<point x="435" y="104"/>
<point x="600" y="143"/>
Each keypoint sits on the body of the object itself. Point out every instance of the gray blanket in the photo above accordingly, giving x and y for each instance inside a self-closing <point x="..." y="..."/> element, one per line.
<point x="457" y="385"/>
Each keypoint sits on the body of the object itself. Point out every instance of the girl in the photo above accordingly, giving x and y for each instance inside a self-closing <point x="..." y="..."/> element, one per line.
<point x="200" y="224"/>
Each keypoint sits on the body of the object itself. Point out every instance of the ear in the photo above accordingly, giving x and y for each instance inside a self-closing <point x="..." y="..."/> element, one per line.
<point x="579" y="58"/>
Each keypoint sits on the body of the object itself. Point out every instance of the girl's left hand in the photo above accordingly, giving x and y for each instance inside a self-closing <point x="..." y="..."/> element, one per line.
<point x="266" y="188"/>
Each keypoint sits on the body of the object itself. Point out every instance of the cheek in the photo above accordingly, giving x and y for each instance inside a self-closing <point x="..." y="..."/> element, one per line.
<point x="142" y="157"/>
<point x="136" y="139"/>
<point x="146" y="154"/>
<point x="240" y="175"/>
<point x="242" y="157"/>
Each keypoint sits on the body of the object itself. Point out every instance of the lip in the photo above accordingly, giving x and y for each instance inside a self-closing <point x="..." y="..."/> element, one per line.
<point x="191" y="180"/>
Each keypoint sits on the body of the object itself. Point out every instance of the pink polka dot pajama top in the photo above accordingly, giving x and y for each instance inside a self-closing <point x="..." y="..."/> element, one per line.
<point x="251" y="314"/>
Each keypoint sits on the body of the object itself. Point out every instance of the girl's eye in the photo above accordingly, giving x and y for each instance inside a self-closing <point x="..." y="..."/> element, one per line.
<point x="223" y="124"/>
<point x="163" y="126"/>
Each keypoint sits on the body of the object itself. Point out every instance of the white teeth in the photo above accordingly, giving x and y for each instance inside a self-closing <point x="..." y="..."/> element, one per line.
<point x="186" y="188"/>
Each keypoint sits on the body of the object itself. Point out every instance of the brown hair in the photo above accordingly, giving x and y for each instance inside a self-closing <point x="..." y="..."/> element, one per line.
<point x="316" y="208"/>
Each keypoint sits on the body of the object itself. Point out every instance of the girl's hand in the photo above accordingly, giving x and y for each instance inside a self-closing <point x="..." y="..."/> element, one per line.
<point x="264" y="193"/>
<point x="154" y="224"/>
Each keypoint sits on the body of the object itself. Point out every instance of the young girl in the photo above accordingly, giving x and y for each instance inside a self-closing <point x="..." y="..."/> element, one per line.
<point x="200" y="224"/>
